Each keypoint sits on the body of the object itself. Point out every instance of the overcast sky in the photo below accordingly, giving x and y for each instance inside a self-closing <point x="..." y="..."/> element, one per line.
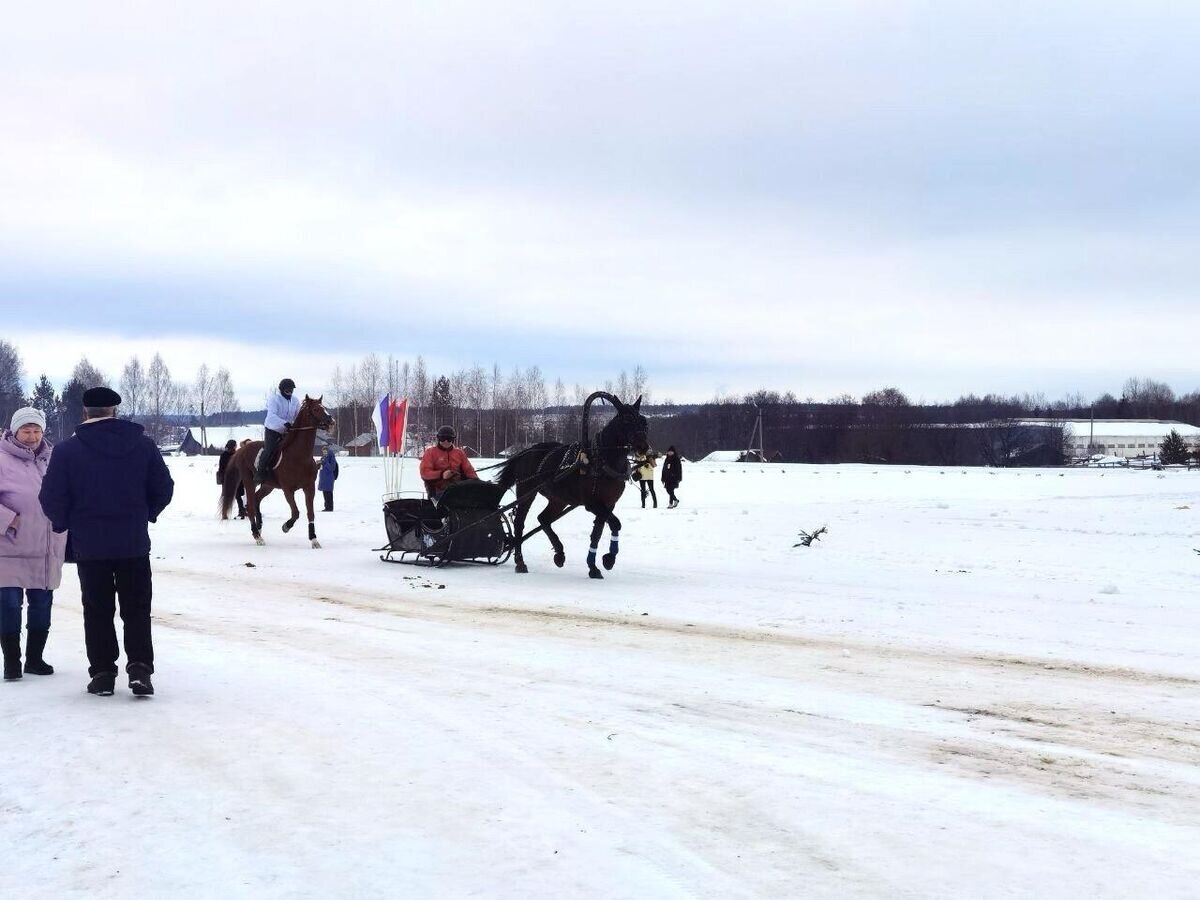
<point x="821" y="197"/>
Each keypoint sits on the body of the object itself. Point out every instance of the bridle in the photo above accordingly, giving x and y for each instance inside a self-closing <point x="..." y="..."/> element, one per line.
<point x="321" y="425"/>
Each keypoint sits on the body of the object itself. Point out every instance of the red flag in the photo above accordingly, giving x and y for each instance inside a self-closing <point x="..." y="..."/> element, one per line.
<point x="397" y="425"/>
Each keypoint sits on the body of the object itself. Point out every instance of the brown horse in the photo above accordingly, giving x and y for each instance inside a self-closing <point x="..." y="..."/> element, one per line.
<point x="296" y="470"/>
<point x="548" y="469"/>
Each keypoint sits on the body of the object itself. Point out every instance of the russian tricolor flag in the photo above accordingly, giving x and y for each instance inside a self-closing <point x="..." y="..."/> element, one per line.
<point x="391" y="423"/>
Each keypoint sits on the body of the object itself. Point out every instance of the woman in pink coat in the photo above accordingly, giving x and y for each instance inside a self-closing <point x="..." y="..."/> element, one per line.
<point x="31" y="554"/>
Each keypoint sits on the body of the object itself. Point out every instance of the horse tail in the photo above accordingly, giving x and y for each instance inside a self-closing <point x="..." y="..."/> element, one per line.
<point x="229" y="486"/>
<point x="509" y="472"/>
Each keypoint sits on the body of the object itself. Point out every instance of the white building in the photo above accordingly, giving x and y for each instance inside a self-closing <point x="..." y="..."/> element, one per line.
<point x="1123" y="437"/>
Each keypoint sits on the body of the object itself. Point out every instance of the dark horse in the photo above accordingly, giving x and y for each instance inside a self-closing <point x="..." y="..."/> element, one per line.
<point x="578" y="475"/>
<point x="296" y="470"/>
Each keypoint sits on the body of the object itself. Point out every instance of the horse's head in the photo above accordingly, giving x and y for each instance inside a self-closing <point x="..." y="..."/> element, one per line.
<point x="314" y="415"/>
<point x="628" y="427"/>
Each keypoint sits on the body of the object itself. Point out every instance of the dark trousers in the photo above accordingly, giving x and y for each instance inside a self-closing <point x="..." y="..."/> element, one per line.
<point x="11" y="599"/>
<point x="648" y="486"/>
<point x="103" y="582"/>
<point x="328" y="495"/>
<point x="240" y="497"/>
<point x="670" y="489"/>
<point x="271" y="441"/>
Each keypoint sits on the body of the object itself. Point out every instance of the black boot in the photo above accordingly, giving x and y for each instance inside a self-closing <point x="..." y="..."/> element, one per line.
<point x="139" y="679"/>
<point x="103" y="684"/>
<point x="11" y="644"/>
<point x="34" y="664"/>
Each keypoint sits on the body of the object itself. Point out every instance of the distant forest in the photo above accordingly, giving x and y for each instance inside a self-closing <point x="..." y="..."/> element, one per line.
<point x="494" y="411"/>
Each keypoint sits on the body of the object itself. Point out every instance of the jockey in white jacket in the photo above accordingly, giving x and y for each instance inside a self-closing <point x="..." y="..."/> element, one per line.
<point x="282" y="409"/>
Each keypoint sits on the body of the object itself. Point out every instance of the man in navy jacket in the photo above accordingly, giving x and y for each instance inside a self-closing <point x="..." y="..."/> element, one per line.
<point x="104" y="484"/>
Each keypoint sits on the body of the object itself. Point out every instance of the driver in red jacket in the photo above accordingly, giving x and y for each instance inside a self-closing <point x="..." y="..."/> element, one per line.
<point x="443" y="463"/>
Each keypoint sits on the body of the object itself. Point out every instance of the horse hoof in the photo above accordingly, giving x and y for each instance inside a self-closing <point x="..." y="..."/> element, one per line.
<point x="522" y="569"/>
<point x="595" y="573"/>
<point x="287" y="526"/>
<point x="560" y="559"/>
<point x="260" y="542"/>
<point x="609" y="560"/>
<point x="316" y="545"/>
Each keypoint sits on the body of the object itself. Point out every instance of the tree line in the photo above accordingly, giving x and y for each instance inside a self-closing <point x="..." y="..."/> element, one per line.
<point x="149" y="394"/>
<point x="494" y="410"/>
<point x="884" y="426"/>
<point x="491" y="409"/>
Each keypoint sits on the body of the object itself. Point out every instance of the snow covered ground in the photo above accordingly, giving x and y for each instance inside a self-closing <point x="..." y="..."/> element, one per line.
<point x="977" y="684"/>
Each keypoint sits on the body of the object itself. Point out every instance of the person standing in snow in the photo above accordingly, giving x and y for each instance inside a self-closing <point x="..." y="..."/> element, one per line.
<point x="31" y="554"/>
<point x="672" y="475"/>
<point x="282" y="409"/>
<point x="645" y="464"/>
<point x="327" y="476"/>
<point x="222" y="465"/>
<point x="106" y="483"/>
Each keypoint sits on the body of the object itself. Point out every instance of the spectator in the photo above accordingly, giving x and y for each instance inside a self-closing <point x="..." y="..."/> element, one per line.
<point x="222" y="465"/>
<point x="31" y="554"/>
<point x="645" y="464"/>
<point x="672" y="475"/>
<point x="106" y="483"/>
<point x="328" y="475"/>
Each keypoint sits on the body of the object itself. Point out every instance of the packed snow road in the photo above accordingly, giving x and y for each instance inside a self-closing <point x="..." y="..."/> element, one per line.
<point x="977" y="684"/>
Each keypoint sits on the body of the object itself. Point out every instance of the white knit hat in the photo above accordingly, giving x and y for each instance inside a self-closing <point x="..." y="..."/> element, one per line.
<point x="28" y="415"/>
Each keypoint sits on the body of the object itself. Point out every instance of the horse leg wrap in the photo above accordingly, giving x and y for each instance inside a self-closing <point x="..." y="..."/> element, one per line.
<point x="610" y="558"/>
<point x="592" y="556"/>
<point x="312" y="531"/>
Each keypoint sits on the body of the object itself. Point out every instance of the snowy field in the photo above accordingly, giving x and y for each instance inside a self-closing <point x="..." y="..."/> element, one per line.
<point x="978" y="684"/>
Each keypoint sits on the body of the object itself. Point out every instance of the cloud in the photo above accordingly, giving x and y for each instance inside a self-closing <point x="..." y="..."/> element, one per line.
<point x="816" y="197"/>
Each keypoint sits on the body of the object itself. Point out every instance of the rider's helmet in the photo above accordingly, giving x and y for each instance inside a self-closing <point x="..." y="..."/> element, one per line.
<point x="286" y="387"/>
<point x="446" y="433"/>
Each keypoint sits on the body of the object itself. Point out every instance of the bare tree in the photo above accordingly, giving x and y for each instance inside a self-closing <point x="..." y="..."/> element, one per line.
<point x="226" y="398"/>
<point x="458" y="394"/>
<point x="88" y="375"/>
<point x="497" y="386"/>
<point x="535" y="393"/>
<point x="12" y="394"/>
<point x="353" y="395"/>
<point x="1146" y="397"/>
<point x="370" y="373"/>
<point x="639" y="385"/>
<point x="371" y="381"/>
<point x="420" y="391"/>
<point x="162" y="396"/>
<point x="133" y="388"/>
<point x="477" y="398"/>
<point x="517" y="396"/>
<point x="204" y="397"/>
<point x="560" y="401"/>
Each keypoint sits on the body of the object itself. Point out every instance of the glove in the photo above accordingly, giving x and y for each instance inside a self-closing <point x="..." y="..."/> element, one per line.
<point x="287" y="426"/>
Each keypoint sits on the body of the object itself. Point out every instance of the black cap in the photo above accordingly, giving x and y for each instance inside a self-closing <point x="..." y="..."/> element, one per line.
<point x="446" y="433"/>
<point x="101" y="397"/>
<point x="287" y="385"/>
